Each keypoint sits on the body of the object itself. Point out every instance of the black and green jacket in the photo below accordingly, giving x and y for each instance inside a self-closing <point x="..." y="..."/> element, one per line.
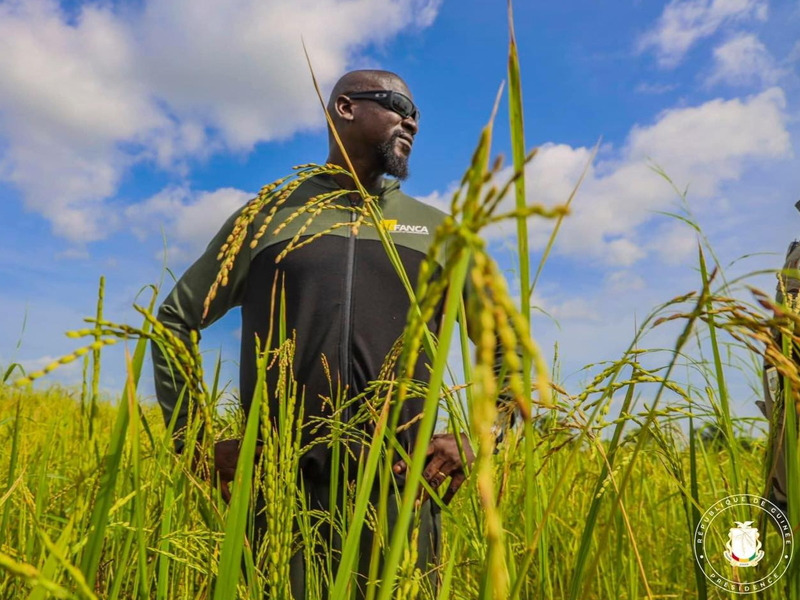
<point x="344" y="300"/>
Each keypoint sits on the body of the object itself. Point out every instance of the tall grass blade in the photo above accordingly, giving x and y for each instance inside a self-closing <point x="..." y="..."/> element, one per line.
<point x="30" y="574"/>
<point x="139" y="498"/>
<point x="475" y="177"/>
<point x="162" y="576"/>
<point x="692" y="511"/>
<point x="587" y="537"/>
<point x="414" y="472"/>
<point x="790" y="443"/>
<point x="50" y="569"/>
<point x="12" y="464"/>
<point x="111" y="464"/>
<point x="365" y="487"/>
<point x="726" y="425"/>
<point x="650" y="418"/>
<point x="230" y="566"/>
<point x="101" y="292"/>
<point x="533" y="501"/>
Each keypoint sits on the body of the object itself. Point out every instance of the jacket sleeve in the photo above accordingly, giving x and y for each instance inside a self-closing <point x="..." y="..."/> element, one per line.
<point x="182" y="311"/>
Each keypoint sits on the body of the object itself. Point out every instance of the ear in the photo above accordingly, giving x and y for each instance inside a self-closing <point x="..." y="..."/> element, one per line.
<point x="344" y="108"/>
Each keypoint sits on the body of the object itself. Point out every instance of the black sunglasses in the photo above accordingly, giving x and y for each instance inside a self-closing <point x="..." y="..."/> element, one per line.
<point x="399" y="103"/>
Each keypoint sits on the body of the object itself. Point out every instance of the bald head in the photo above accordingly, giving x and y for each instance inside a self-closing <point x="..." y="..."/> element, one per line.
<point x="366" y="80"/>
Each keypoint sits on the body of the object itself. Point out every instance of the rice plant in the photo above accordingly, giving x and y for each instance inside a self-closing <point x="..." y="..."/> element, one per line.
<point x="593" y="493"/>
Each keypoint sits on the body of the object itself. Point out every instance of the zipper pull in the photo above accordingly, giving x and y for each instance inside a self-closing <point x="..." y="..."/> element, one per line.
<point x="353" y="199"/>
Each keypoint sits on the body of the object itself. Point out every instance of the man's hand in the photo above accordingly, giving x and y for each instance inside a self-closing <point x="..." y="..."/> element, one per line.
<point x="444" y="461"/>
<point x="226" y="455"/>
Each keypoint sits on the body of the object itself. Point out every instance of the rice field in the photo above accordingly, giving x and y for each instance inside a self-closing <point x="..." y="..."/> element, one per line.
<point x="594" y="493"/>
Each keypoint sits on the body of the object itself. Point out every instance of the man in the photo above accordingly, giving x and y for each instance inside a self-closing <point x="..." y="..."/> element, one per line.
<point x="772" y="406"/>
<point x="344" y="299"/>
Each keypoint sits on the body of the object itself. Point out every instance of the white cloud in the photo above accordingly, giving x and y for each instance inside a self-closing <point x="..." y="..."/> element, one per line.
<point x="199" y="221"/>
<point x="241" y="65"/>
<point x="702" y="147"/>
<point x="794" y="54"/>
<point x="675" y="243"/>
<point x="564" y="306"/>
<point x="67" y="95"/>
<point x="190" y="219"/>
<point x="684" y="22"/>
<point x="618" y="282"/>
<point x="440" y="200"/>
<point x="707" y="144"/>
<point x="83" y="99"/>
<point x="623" y="252"/>
<point x="574" y="309"/>
<point x="744" y="60"/>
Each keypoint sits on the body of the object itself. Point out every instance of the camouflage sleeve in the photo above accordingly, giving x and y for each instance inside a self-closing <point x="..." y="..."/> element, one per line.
<point x="182" y="312"/>
<point x="789" y="278"/>
<point x="772" y="404"/>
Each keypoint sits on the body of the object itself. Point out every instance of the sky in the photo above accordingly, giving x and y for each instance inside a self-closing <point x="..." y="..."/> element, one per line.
<point x="129" y="130"/>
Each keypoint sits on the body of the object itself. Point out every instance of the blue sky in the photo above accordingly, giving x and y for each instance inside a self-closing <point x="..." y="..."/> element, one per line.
<point x="122" y="119"/>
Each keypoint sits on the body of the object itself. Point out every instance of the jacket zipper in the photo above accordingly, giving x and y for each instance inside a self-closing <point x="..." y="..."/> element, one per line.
<point x="345" y="354"/>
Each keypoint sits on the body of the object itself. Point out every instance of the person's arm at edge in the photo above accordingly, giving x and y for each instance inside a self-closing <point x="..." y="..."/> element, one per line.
<point x="182" y="311"/>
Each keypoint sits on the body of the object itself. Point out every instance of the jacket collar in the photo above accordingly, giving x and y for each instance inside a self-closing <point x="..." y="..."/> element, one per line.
<point x="329" y="183"/>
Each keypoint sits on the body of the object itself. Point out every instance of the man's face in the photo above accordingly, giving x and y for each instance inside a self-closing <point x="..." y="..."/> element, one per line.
<point x="389" y="135"/>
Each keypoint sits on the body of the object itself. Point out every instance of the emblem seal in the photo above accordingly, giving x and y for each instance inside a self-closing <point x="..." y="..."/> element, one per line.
<point x="730" y="552"/>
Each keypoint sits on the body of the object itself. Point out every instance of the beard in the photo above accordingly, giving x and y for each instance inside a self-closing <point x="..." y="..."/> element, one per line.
<point x="393" y="164"/>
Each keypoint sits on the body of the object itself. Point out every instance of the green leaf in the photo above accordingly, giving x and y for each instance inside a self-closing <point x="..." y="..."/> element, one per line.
<point x="111" y="464"/>
<point x="230" y="565"/>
